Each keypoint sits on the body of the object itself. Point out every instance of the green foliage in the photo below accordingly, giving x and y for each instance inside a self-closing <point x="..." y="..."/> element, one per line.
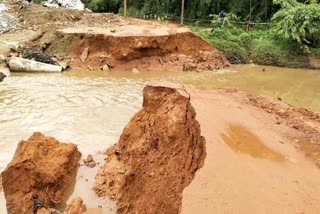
<point x="298" y="22"/>
<point x="262" y="46"/>
<point x="103" y="5"/>
<point x="38" y="1"/>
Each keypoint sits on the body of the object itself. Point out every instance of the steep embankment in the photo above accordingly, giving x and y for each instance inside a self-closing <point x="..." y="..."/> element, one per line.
<point x="262" y="155"/>
<point x="157" y="155"/>
<point x="142" y="45"/>
<point x="110" y="42"/>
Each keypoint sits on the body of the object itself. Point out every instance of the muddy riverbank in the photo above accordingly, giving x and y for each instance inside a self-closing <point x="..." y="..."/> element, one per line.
<point x="275" y="144"/>
<point x="85" y="40"/>
<point x="83" y="107"/>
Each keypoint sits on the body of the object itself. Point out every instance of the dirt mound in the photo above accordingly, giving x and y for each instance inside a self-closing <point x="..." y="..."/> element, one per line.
<point x="76" y="206"/>
<point x="41" y="166"/>
<point x="37" y="15"/>
<point x="170" y="51"/>
<point x="157" y="155"/>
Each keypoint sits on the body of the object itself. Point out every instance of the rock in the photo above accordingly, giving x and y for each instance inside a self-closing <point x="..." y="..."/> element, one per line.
<point x="89" y="158"/>
<point x="161" y="149"/>
<point x="89" y="161"/>
<point x="43" y="166"/>
<point x="36" y="54"/>
<point x="64" y="65"/>
<point x="135" y="71"/>
<point x="91" y="164"/>
<point x="3" y="59"/>
<point x="76" y="206"/>
<point x="17" y="64"/>
<point x="106" y="68"/>
<point x="84" y="54"/>
<point x="2" y="76"/>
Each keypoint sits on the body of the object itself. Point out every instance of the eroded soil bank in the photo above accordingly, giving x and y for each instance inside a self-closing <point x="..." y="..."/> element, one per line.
<point x="157" y="155"/>
<point x="262" y="157"/>
<point x="109" y="42"/>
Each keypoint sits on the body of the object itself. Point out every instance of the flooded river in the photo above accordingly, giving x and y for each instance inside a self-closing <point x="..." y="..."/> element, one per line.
<point x="91" y="108"/>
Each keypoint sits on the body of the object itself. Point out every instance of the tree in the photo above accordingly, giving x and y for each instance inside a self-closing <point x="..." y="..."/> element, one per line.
<point x="299" y="22"/>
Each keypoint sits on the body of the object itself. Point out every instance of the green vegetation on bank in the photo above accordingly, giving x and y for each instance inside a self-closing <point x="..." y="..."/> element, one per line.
<point x="262" y="46"/>
<point x="294" y="36"/>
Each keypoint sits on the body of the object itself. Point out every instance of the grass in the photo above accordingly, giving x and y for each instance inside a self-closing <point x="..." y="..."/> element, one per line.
<point x="259" y="45"/>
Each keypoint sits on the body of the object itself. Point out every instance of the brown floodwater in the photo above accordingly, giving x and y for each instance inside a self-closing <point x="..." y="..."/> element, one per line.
<point x="91" y="108"/>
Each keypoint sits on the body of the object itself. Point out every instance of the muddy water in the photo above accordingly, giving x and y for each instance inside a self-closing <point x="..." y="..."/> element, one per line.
<point x="91" y="108"/>
<point x="241" y="140"/>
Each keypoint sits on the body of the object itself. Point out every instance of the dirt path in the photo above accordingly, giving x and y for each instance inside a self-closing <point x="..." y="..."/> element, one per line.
<point x="253" y="162"/>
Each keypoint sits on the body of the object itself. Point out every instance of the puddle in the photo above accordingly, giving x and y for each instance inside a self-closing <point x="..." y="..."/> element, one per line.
<point x="241" y="140"/>
<point x="310" y="149"/>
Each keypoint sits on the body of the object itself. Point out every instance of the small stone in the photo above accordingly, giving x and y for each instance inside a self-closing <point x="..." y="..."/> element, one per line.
<point x="135" y="71"/>
<point x="278" y="122"/>
<point x="162" y="171"/>
<point x="84" y="55"/>
<point x="64" y="65"/>
<point x="279" y="98"/>
<point x="89" y="158"/>
<point x="92" y="164"/>
<point x="106" y="68"/>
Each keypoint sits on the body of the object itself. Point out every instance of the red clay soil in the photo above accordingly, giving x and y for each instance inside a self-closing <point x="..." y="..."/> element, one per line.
<point x="263" y="155"/>
<point x="165" y="51"/>
<point x="306" y="122"/>
<point x="42" y="166"/>
<point x="156" y="157"/>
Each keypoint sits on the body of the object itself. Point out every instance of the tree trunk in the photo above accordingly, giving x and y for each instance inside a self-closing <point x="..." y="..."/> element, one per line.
<point x="182" y="12"/>
<point x="125" y="8"/>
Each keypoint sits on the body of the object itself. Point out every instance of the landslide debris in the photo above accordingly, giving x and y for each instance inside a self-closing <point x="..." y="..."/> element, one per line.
<point x="157" y="155"/>
<point x="76" y="206"/>
<point x="42" y="166"/>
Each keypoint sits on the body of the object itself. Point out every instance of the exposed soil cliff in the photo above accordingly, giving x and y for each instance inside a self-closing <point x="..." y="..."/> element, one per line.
<point x="157" y="155"/>
<point x="93" y="41"/>
<point x="42" y="166"/>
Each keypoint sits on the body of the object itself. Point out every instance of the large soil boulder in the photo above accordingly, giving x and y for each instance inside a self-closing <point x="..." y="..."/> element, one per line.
<point x="157" y="155"/>
<point x="42" y="166"/>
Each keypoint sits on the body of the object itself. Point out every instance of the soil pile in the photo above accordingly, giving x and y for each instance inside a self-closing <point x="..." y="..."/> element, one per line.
<point x="76" y="206"/>
<point x="41" y="166"/>
<point x="140" y="47"/>
<point x="157" y="155"/>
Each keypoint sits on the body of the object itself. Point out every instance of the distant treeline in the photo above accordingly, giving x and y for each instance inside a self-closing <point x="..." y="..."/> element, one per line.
<point x="245" y="10"/>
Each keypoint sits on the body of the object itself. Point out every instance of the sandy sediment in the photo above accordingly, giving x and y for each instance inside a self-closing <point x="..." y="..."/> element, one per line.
<point x="262" y="156"/>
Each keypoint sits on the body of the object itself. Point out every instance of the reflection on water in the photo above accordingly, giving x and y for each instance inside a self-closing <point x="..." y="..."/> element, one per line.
<point x="241" y="140"/>
<point x="91" y="108"/>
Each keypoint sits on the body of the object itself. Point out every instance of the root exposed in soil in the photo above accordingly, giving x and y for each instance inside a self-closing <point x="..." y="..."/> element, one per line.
<point x="157" y="155"/>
